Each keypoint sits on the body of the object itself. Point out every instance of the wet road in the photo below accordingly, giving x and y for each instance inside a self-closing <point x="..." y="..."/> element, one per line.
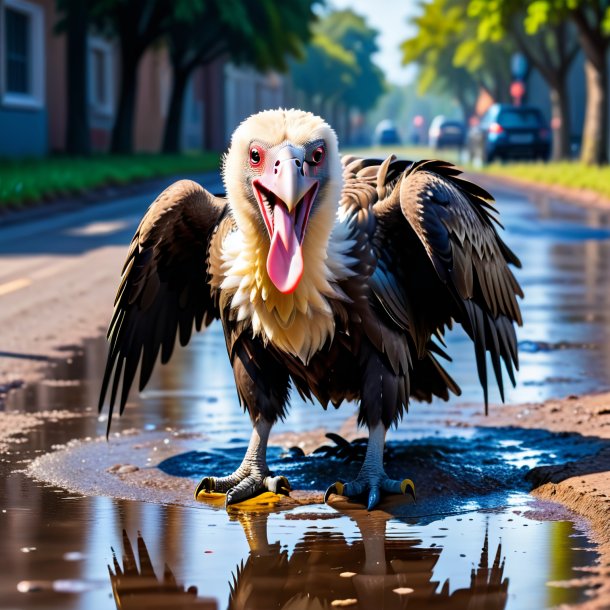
<point x="58" y="543"/>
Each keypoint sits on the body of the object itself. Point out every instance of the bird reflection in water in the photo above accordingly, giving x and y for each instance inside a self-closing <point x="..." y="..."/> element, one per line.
<point x="135" y="588"/>
<point x="374" y="571"/>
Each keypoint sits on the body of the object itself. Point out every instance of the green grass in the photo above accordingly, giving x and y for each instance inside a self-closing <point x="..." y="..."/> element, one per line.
<point x="573" y="174"/>
<point x="34" y="180"/>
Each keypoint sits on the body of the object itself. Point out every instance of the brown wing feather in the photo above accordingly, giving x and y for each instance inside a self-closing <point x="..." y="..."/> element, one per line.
<point x="385" y="318"/>
<point x="164" y="287"/>
<point x="441" y="258"/>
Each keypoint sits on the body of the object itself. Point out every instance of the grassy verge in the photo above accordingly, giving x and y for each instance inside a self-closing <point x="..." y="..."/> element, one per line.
<point x="27" y="181"/>
<point x="568" y="174"/>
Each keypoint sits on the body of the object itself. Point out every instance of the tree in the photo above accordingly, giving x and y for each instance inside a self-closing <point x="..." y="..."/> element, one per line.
<point x="137" y="25"/>
<point x="350" y="31"/>
<point x="259" y="34"/>
<point x="326" y="72"/>
<point x="551" y="50"/>
<point x="337" y="71"/>
<point x="74" y="20"/>
<point x="592" y="21"/>
<point x="450" y="57"/>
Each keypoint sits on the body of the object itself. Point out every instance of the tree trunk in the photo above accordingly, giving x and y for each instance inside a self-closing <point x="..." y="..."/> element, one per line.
<point x="560" y="121"/>
<point x="173" y="123"/>
<point x="468" y="109"/>
<point x="595" y="131"/>
<point x="122" y="133"/>
<point x="78" y="137"/>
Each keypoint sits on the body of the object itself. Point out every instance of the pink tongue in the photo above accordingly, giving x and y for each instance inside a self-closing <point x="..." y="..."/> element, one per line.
<point x="285" y="259"/>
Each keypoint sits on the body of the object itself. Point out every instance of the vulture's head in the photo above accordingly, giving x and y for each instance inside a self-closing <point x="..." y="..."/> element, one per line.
<point x="283" y="178"/>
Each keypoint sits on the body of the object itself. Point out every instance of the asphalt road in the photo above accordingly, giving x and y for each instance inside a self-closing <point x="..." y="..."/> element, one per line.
<point x="58" y="274"/>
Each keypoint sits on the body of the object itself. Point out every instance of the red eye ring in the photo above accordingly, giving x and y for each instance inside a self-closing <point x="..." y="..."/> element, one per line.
<point x="318" y="155"/>
<point x="256" y="156"/>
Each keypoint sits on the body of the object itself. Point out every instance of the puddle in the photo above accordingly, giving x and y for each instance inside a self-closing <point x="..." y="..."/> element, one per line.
<point x="471" y="539"/>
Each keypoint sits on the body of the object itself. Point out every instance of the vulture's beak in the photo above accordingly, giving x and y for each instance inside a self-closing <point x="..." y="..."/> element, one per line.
<point x="285" y="195"/>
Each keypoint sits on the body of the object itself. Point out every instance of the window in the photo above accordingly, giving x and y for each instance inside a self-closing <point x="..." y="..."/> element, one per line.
<point x="100" y="75"/>
<point x="520" y="117"/>
<point x="21" y="54"/>
<point x="17" y="45"/>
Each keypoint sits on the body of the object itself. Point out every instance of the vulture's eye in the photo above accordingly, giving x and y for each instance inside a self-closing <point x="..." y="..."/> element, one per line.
<point x="256" y="156"/>
<point x="317" y="156"/>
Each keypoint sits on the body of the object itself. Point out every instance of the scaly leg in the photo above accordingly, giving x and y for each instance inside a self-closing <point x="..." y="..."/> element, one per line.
<point x="372" y="476"/>
<point x="253" y="475"/>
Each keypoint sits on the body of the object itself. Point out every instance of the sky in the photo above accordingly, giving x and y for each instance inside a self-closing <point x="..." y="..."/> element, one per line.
<point x="390" y="18"/>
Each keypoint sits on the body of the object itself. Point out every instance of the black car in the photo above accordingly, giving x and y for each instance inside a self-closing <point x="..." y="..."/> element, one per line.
<point x="505" y="131"/>
<point x="386" y="133"/>
<point x="445" y="132"/>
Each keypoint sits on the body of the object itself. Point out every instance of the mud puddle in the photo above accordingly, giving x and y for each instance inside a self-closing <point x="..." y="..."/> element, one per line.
<point x="82" y="536"/>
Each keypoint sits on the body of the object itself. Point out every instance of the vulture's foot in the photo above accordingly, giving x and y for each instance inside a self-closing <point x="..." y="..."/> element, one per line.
<point x="252" y="477"/>
<point x="372" y="479"/>
<point x="374" y="484"/>
<point x="243" y="485"/>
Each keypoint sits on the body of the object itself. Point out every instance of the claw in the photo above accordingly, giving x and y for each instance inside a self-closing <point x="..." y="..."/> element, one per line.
<point x="373" y="498"/>
<point x="335" y="488"/>
<point x="407" y="486"/>
<point x="229" y="499"/>
<point x="206" y="484"/>
<point x="278" y="485"/>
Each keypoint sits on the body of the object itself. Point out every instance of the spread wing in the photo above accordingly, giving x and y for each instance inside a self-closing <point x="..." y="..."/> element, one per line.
<point x="164" y="288"/>
<point x="440" y="259"/>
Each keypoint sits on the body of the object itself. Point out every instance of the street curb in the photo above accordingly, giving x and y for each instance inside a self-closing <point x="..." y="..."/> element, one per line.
<point x="98" y="196"/>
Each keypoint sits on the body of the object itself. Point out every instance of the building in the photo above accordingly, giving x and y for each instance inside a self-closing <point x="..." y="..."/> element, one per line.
<point x="33" y="100"/>
<point x="28" y="49"/>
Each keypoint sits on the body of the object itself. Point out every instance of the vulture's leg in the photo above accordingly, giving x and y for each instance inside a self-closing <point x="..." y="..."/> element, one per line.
<point x="372" y="477"/>
<point x="253" y="475"/>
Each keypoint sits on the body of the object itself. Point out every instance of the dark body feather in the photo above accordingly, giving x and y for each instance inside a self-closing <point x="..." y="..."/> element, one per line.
<point x="427" y="254"/>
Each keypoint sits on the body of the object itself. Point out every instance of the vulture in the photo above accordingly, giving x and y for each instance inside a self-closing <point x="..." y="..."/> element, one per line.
<point x="337" y="277"/>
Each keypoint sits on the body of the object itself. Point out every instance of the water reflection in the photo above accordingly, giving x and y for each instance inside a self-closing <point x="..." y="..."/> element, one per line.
<point x="374" y="570"/>
<point x="136" y="586"/>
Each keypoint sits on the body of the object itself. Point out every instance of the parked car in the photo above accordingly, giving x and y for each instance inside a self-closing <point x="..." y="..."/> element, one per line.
<point x="446" y="132"/>
<point x="386" y="133"/>
<point x="507" y="131"/>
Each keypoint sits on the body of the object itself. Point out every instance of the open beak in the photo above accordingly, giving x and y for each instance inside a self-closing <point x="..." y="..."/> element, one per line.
<point x="285" y="196"/>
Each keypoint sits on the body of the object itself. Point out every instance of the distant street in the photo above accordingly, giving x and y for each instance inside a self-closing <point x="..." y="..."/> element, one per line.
<point x="59" y="274"/>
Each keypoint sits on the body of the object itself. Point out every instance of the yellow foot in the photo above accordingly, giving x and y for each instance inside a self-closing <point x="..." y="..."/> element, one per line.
<point x="268" y="492"/>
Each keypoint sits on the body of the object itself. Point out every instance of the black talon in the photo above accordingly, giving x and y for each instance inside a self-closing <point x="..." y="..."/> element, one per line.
<point x="407" y="486"/>
<point x="283" y="487"/>
<point x="206" y="484"/>
<point x="374" y="497"/>
<point x="335" y="488"/>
